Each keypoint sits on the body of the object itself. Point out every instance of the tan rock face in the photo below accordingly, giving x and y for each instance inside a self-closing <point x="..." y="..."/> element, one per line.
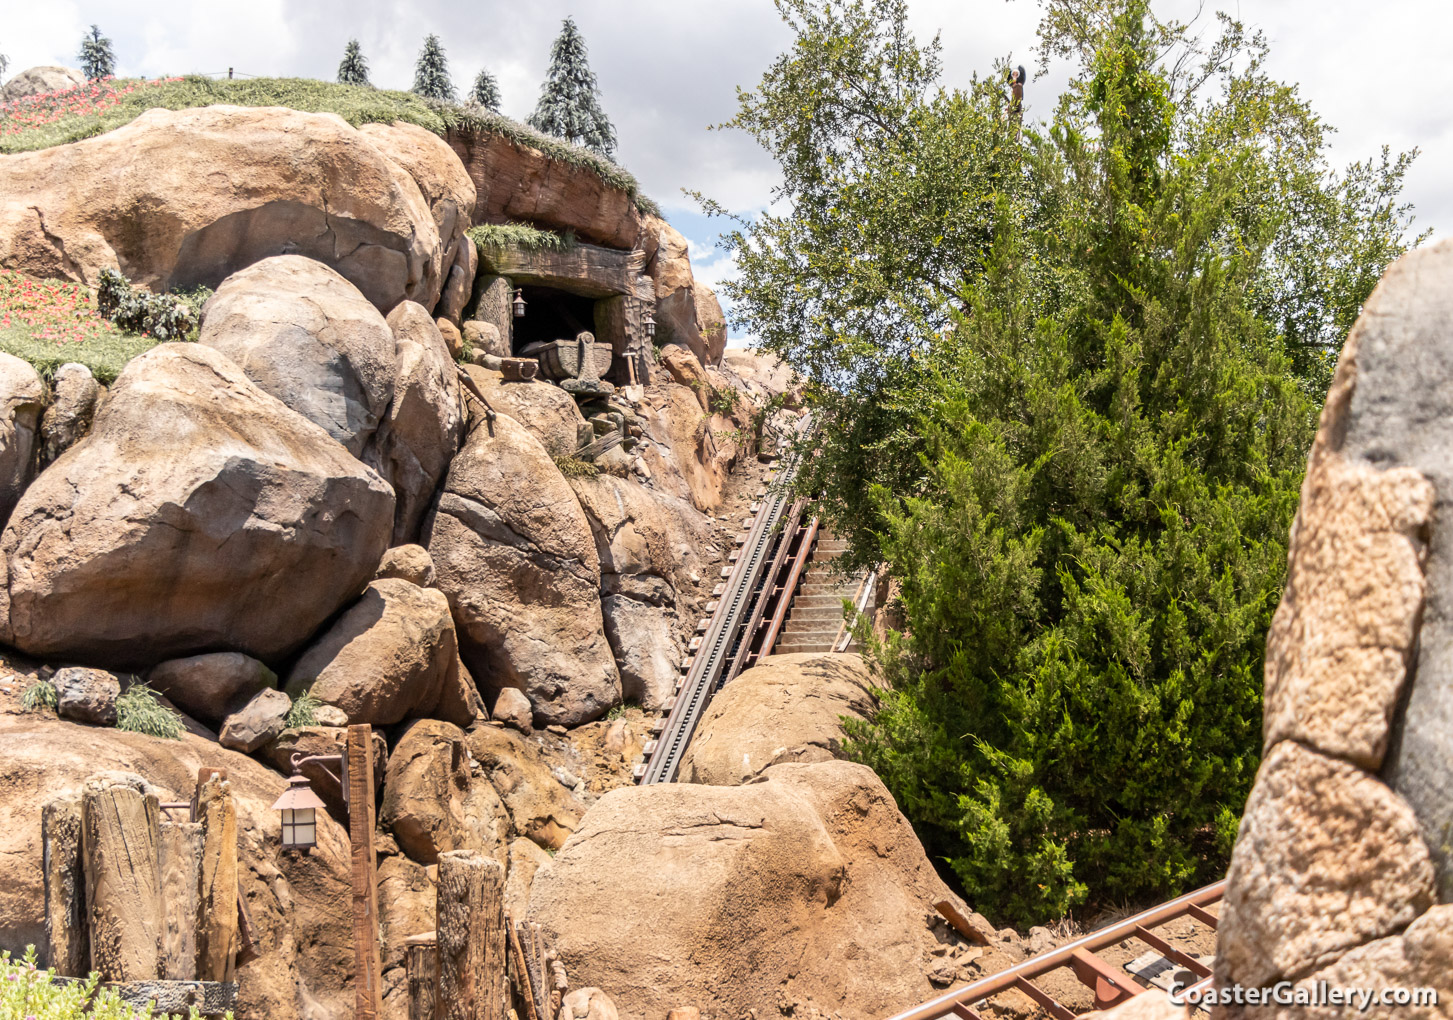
<point x="712" y="321"/>
<point x="675" y="294"/>
<point x="307" y="336"/>
<point x="406" y="905"/>
<point x="695" y="468"/>
<point x="541" y="809"/>
<point x="297" y="903"/>
<point x="1152" y="1004"/>
<point x="71" y="410"/>
<point x="391" y="656"/>
<point x="424" y="424"/>
<point x="526" y="857"/>
<point x="514" y="554"/>
<point x="199" y="513"/>
<point x="445" y="186"/>
<point x="431" y="802"/>
<point x="789" y="708"/>
<point x="310" y="741"/>
<point x="211" y="685"/>
<point x="238" y="184"/>
<point x="548" y="412"/>
<point x="35" y="81"/>
<point x="819" y="850"/>
<point x="517" y="182"/>
<point x="1327" y="858"/>
<point x="686" y="370"/>
<point x="409" y="563"/>
<point x="22" y="399"/>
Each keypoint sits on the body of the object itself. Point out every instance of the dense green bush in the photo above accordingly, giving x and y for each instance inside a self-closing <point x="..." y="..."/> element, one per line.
<point x="1066" y="380"/>
<point x="164" y="316"/>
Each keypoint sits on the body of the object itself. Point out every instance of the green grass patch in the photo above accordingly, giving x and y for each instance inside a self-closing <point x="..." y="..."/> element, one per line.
<point x="139" y="710"/>
<point x="303" y="711"/>
<point x="521" y="236"/>
<point x="574" y="467"/>
<point x="40" y="695"/>
<point x="44" y="121"/>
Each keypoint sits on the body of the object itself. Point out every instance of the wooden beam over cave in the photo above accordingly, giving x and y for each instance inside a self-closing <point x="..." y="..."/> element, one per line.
<point x="585" y="269"/>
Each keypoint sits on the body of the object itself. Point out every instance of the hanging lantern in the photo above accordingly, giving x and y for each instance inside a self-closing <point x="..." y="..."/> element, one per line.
<point x="299" y="805"/>
<point x="650" y="324"/>
<point x="519" y="303"/>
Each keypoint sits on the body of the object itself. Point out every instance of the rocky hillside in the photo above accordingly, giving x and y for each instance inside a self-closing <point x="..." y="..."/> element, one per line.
<point x="351" y="499"/>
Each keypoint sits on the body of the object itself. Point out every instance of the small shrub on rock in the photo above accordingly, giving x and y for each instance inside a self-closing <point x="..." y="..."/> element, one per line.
<point x="29" y="992"/>
<point x="304" y="711"/>
<point x="164" y="316"/>
<point x="39" y="695"/>
<point x="139" y="710"/>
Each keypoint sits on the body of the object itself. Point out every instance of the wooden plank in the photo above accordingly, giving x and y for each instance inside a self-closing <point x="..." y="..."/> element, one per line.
<point x="216" y="914"/>
<point x="524" y="992"/>
<point x="366" y="998"/>
<point x="585" y="269"/>
<point x="123" y="882"/>
<point x="1203" y="915"/>
<point x="180" y="859"/>
<point x="421" y="964"/>
<point x="67" y="949"/>
<point x="1045" y="1000"/>
<point x="472" y="969"/>
<point x="960" y="923"/>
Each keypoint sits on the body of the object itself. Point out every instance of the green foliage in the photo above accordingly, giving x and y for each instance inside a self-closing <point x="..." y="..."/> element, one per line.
<point x="1065" y="376"/>
<point x="485" y="91"/>
<point x="724" y="400"/>
<point x="353" y="68"/>
<point x="138" y="710"/>
<point x="431" y="72"/>
<point x="356" y="104"/>
<point x="163" y="316"/>
<point x="96" y="57"/>
<point x="104" y="354"/>
<point x="39" y="695"/>
<point x="569" y="105"/>
<point x="521" y="236"/>
<point x="574" y="467"/>
<point x="28" y="992"/>
<point x="303" y="711"/>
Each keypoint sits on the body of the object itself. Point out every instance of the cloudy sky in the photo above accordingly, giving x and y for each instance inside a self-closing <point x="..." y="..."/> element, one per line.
<point x="668" y="69"/>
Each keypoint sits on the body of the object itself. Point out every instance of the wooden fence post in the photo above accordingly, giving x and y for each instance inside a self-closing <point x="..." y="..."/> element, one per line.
<point x="180" y="860"/>
<point x="123" y="882"/>
<point x="421" y="964"/>
<point x="66" y="945"/>
<point x="365" y="877"/>
<point x="473" y="982"/>
<point x="216" y="905"/>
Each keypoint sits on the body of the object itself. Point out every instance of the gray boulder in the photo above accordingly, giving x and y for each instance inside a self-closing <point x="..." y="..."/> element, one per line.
<point x="199" y="513"/>
<point x="22" y="396"/>
<point x="71" y="411"/>
<point x="257" y="723"/>
<point x="211" y="685"/>
<point x="39" y="81"/>
<point x="306" y="335"/>
<point x="87" y="695"/>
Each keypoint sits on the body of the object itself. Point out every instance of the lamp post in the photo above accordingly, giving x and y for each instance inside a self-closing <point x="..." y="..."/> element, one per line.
<point x="298" y="806"/>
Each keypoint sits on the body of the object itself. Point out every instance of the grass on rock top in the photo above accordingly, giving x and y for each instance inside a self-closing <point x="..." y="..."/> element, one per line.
<point x="39" y="122"/>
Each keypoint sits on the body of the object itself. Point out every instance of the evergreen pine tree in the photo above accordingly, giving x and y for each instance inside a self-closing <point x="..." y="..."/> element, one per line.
<point x="569" y="104"/>
<point x="97" y="60"/>
<point x="431" y="73"/>
<point x="486" y="90"/>
<point x="353" y="70"/>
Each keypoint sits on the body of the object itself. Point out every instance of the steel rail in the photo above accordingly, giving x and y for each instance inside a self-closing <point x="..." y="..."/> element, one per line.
<point x="746" y="650"/>
<point x="789" y="589"/>
<point x="726" y="623"/>
<point x="956" y="1002"/>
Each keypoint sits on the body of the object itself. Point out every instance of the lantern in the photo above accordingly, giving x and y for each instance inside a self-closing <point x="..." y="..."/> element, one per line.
<point x="299" y="805"/>
<point x="650" y="324"/>
<point x="519" y="303"/>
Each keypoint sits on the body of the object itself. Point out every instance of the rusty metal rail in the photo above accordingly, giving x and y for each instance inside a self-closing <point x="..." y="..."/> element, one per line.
<point x="1110" y="984"/>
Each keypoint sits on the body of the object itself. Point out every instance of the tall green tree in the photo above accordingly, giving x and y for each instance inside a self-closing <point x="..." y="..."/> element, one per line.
<point x="96" y="56"/>
<point x="1066" y="379"/>
<point x="569" y="105"/>
<point x="353" y="68"/>
<point x="431" y="71"/>
<point x="486" y="90"/>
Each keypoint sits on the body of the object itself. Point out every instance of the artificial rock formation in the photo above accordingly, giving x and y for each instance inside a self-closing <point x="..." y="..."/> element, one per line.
<point x="409" y="563"/>
<point x="514" y="554"/>
<point x="541" y="808"/>
<point x="391" y="656"/>
<point x="22" y="398"/>
<point x="237" y="185"/>
<point x="71" y="410"/>
<point x="817" y="850"/>
<point x="200" y="513"/>
<point x="788" y="708"/>
<point x="431" y="801"/>
<point x="43" y="80"/>
<point x="1342" y="853"/>
<point x="547" y="412"/>
<point x="307" y="336"/>
<point x="212" y="685"/>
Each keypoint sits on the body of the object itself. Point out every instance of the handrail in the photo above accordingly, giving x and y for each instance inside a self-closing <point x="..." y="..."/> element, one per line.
<point x="754" y="623"/>
<point x="860" y="604"/>
<point x="804" y="552"/>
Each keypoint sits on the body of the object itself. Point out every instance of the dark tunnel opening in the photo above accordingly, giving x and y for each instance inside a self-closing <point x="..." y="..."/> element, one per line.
<point x="552" y="314"/>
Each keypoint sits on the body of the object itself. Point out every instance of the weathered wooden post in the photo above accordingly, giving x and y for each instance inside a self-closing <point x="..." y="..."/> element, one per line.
<point x="421" y="964"/>
<point x="123" y="882"/>
<point x="365" y="878"/>
<point x="179" y="851"/>
<point x="67" y="948"/>
<point x="473" y="981"/>
<point x="215" y="915"/>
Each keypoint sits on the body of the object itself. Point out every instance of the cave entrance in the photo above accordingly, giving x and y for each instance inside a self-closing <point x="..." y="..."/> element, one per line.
<point x="552" y="314"/>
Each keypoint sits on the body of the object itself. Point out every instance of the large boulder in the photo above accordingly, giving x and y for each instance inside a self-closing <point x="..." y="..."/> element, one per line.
<point x="541" y="808"/>
<point x="307" y="336"/>
<point x="670" y="270"/>
<point x="549" y="413"/>
<point x="787" y="708"/>
<point x="46" y="79"/>
<point x="407" y="902"/>
<point x="712" y="321"/>
<point x="22" y="399"/>
<point x="180" y="198"/>
<point x="71" y="410"/>
<point x="423" y="427"/>
<point x="436" y="799"/>
<point x="409" y="562"/>
<point x="297" y="903"/>
<point x="514" y="554"/>
<point x="446" y="187"/>
<point x="817" y="850"/>
<point x="212" y="685"/>
<point x="391" y="656"/>
<point x="200" y="513"/>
